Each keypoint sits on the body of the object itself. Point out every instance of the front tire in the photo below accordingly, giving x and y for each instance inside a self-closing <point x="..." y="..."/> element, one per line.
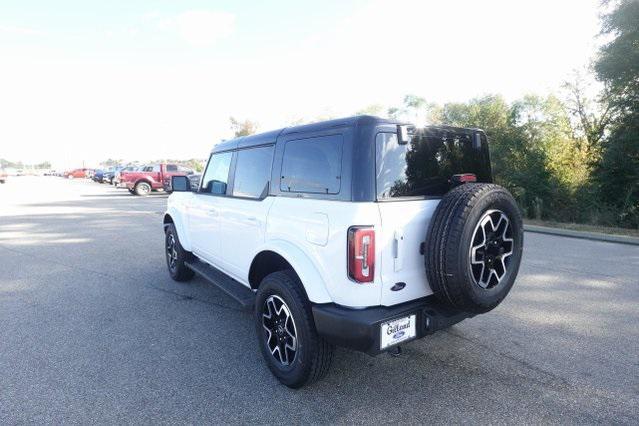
<point x="291" y="347"/>
<point x="176" y="256"/>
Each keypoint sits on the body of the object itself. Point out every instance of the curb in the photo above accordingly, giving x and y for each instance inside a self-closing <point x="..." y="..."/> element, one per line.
<point x="595" y="236"/>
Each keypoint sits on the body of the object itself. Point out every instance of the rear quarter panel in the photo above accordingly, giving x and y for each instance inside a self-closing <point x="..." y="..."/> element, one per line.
<point x="318" y="229"/>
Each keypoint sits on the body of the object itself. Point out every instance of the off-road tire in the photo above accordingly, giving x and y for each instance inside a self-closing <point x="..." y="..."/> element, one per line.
<point x="314" y="355"/>
<point x="178" y="271"/>
<point x="449" y="243"/>
<point x="142" y="189"/>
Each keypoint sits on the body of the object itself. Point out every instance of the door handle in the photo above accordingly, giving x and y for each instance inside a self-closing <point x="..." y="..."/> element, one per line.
<point x="252" y="219"/>
<point x="212" y="212"/>
<point x="398" y="260"/>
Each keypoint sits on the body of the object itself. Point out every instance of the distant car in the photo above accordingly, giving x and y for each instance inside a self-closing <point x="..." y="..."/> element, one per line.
<point x="98" y="175"/>
<point x="75" y="173"/>
<point x="151" y="177"/>
<point x="3" y="175"/>
<point x="117" y="177"/>
<point x="109" y="174"/>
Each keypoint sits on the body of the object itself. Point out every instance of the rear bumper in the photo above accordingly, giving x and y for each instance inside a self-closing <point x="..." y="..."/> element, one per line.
<point x="360" y="329"/>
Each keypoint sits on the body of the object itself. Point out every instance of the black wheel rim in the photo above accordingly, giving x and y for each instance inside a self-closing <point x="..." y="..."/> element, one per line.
<point x="279" y="330"/>
<point x="491" y="249"/>
<point x="171" y="251"/>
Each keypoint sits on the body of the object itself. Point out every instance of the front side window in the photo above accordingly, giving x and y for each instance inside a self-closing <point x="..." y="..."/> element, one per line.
<point x="216" y="176"/>
<point x="312" y="165"/>
<point x="253" y="172"/>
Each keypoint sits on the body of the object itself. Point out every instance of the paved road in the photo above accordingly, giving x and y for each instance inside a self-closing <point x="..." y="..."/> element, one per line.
<point x="92" y="330"/>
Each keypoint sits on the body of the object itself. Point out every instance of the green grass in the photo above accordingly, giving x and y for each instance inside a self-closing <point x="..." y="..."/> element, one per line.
<point x="585" y="228"/>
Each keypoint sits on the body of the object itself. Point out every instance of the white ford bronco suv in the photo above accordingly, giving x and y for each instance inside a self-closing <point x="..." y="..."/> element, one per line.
<point x="359" y="232"/>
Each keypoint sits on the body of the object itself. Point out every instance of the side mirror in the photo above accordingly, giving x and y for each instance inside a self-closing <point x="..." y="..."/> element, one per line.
<point x="180" y="184"/>
<point x="195" y="182"/>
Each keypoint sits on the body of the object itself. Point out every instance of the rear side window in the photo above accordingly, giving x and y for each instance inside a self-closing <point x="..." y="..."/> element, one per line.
<point x="312" y="165"/>
<point x="253" y="172"/>
<point x="216" y="177"/>
<point x="171" y="168"/>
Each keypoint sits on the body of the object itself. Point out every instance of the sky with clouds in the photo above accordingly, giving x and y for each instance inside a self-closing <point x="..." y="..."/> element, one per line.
<point x="88" y="80"/>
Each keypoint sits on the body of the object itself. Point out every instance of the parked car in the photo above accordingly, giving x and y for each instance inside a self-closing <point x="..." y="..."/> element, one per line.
<point x="98" y="176"/>
<point x="149" y="178"/>
<point x="360" y="232"/>
<point x="75" y="173"/>
<point x="117" y="177"/>
<point x="3" y="175"/>
<point x="109" y="174"/>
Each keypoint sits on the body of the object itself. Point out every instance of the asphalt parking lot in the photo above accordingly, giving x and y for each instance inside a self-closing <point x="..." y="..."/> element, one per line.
<point x="93" y="330"/>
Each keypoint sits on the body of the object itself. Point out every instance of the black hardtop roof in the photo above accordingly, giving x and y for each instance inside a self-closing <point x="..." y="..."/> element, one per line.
<point x="271" y="136"/>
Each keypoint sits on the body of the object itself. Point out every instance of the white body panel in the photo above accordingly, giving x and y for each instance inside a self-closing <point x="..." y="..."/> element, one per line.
<point x="204" y="226"/>
<point x="318" y="228"/>
<point x="311" y="235"/>
<point x="403" y="229"/>
<point x="242" y="225"/>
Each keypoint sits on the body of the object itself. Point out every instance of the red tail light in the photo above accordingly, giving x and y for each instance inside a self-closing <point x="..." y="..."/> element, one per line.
<point x="361" y="254"/>
<point x="464" y="177"/>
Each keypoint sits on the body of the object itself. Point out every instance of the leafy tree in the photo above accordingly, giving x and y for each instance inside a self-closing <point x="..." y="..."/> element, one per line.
<point x="374" y="109"/>
<point x="591" y="118"/>
<point x="243" y="128"/>
<point x="10" y="164"/>
<point x="617" y="66"/>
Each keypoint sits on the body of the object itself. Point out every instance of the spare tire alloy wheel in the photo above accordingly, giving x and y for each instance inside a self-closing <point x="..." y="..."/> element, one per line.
<point x="491" y="249"/>
<point x="280" y="332"/>
<point x="474" y="247"/>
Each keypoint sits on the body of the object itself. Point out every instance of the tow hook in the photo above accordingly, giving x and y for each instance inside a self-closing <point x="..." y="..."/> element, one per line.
<point x="397" y="351"/>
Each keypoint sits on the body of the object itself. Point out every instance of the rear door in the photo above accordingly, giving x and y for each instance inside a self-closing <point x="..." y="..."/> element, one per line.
<point x="411" y="179"/>
<point x="243" y="214"/>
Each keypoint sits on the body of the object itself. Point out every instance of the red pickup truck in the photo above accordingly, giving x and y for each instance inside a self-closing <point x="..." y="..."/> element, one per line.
<point x="151" y="177"/>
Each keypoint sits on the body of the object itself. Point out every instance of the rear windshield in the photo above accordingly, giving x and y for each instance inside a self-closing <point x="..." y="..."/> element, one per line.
<point x="424" y="166"/>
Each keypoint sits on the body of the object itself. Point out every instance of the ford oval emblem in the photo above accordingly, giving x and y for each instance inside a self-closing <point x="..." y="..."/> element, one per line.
<point x="398" y="334"/>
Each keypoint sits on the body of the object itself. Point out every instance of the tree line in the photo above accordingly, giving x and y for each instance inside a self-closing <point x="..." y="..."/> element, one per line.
<point x="569" y="158"/>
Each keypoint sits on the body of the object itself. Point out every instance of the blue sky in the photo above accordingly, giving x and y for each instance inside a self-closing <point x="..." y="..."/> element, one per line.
<point x="87" y="80"/>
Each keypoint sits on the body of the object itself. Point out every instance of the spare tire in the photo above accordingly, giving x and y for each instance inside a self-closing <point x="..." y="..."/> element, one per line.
<point x="474" y="247"/>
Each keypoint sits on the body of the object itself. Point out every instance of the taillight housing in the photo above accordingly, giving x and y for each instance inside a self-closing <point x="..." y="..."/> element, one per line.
<point x="464" y="177"/>
<point x="361" y="254"/>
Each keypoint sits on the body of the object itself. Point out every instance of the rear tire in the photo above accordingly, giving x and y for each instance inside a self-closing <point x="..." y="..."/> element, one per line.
<point x="176" y="256"/>
<point x="474" y="244"/>
<point x="291" y="347"/>
<point x="142" y="189"/>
